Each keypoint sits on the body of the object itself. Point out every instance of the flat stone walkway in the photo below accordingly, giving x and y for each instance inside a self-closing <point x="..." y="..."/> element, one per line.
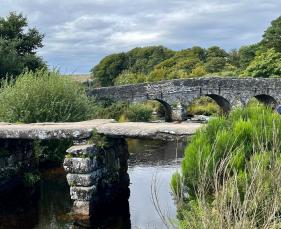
<point x="82" y="130"/>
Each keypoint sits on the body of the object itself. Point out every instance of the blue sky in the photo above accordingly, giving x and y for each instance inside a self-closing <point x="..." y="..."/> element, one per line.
<point x="79" y="33"/>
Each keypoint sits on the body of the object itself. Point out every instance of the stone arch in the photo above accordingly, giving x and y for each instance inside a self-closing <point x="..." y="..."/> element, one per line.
<point x="168" y="109"/>
<point x="266" y="99"/>
<point x="221" y="101"/>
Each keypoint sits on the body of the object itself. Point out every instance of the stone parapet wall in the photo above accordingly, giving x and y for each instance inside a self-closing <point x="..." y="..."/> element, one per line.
<point x="96" y="173"/>
<point x="227" y="92"/>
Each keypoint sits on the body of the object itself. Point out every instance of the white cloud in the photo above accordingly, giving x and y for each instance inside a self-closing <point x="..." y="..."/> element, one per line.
<point x="80" y="32"/>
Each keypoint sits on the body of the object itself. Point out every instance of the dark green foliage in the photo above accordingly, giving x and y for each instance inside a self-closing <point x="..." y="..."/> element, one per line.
<point x="216" y="60"/>
<point x="144" y="59"/>
<point x="247" y="54"/>
<point x="139" y="113"/>
<point x="138" y="60"/>
<point x="109" y="68"/>
<point x="43" y="96"/>
<point x="272" y="36"/>
<point x="18" y="45"/>
<point x="216" y="51"/>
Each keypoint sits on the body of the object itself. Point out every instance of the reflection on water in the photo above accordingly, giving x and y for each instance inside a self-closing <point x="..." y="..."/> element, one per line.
<point x="51" y="210"/>
<point x="149" y="159"/>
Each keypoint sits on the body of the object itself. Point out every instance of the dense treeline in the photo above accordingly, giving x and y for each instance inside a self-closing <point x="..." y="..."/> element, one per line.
<point x="159" y="63"/>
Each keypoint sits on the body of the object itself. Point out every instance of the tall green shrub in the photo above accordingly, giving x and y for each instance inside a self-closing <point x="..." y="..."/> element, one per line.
<point x="139" y="113"/>
<point x="43" y="96"/>
<point x="231" y="172"/>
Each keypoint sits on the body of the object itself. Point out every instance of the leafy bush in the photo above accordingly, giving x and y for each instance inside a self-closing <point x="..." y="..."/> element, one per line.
<point x="266" y="64"/>
<point x="139" y="113"/>
<point x="127" y="77"/>
<point x="43" y="96"/>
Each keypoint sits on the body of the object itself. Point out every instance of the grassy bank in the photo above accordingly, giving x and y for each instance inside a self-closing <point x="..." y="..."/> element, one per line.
<point x="230" y="174"/>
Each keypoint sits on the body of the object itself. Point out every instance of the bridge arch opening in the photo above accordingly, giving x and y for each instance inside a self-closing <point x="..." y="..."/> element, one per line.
<point x="264" y="99"/>
<point x="162" y="110"/>
<point x="209" y="104"/>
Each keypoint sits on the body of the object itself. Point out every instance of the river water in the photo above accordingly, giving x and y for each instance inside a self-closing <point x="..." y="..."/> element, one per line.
<point x="150" y="161"/>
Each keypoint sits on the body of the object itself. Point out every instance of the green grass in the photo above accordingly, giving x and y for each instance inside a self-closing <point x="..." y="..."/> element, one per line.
<point x="231" y="172"/>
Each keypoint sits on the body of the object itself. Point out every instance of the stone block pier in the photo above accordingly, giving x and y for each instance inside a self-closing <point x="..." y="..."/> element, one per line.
<point x="96" y="165"/>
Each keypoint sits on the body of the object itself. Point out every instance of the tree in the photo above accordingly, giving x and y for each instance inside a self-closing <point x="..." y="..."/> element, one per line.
<point x="143" y="60"/>
<point x="215" y="64"/>
<point x="216" y="51"/>
<point x="266" y="64"/>
<point x="18" y="45"/>
<point x="216" y="59"/>
<point x="272" y="36"/>
<point x="247" y="54"/>
<point x="109" y="68"/>
<point x="138" y="60"/>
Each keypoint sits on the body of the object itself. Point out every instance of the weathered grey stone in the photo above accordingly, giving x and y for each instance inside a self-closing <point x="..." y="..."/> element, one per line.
<point x="83" y="150"/>
<point x="84" y="180"/>
<point x="79" y="165"/>
<point x="106" y="181"/>
<point x="178" y="113"/>
<point x="162" y="131"/>
<point x="82" y="193"/>
<point x="81" y="207"/>
<point x="16" y="158"/>
<point x="227" y="92"/>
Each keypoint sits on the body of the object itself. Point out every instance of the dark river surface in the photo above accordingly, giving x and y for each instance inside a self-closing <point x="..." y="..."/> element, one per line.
<point x="148" y="160"/>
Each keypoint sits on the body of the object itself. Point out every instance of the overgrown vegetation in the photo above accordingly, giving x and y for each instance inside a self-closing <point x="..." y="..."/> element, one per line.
<point x="231" y="173"/>
<point x="139" y="113"/>
<point x="43" y="96"/>
<point x="122" y="111"/>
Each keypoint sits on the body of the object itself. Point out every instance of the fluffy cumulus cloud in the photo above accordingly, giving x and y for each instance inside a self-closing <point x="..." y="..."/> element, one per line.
<point x="78" y="33"/>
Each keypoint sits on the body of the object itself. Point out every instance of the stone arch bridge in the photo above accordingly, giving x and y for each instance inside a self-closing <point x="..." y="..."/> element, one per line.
<point x="176" y="95"/>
